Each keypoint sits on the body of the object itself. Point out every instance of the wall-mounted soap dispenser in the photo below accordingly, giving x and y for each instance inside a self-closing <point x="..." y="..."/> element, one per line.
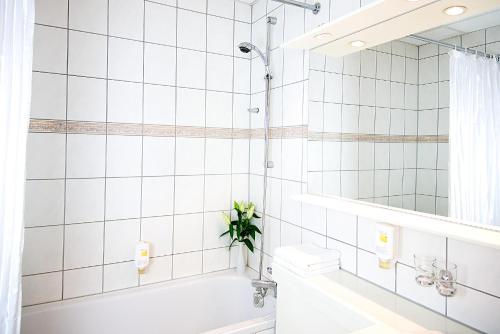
<point x="385" y="244"/>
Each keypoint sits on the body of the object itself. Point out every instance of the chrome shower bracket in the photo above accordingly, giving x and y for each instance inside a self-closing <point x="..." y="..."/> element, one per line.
<point x="254" y="110"/>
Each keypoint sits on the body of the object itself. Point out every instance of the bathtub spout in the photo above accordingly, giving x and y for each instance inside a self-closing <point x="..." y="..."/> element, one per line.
<point x="265" y="286"/>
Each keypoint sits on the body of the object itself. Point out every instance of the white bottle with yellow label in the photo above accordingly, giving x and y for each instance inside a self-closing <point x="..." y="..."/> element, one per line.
<point x="142" y="256"/>
<point x="385" y="244"/>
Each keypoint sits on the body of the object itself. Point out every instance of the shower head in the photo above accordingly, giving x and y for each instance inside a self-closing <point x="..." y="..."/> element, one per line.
<point x="246" y="47"/>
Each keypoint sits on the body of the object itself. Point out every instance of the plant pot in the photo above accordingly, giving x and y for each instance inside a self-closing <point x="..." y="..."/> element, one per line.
<point x="241" y="262"/>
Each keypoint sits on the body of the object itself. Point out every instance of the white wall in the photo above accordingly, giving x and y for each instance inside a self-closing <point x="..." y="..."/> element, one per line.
<point x="139" y="130"/>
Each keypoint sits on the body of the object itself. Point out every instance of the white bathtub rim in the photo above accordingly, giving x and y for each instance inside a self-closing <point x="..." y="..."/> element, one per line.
<point x="247" y="327"/>
<point x="95" y="298"/>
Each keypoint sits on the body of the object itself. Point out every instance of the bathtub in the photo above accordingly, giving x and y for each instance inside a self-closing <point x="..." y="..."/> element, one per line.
<point x="210" y="304"/>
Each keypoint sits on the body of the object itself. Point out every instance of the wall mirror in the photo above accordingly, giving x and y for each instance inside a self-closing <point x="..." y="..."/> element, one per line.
<point x="379" y="121"/>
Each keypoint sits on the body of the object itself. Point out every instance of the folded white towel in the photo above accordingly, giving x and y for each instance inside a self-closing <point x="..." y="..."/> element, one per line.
<point x="306" y="273"/>
<point x="308" y="256"/>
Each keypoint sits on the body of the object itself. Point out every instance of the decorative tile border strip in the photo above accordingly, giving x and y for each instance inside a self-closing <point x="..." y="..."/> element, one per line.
<point x="287" y="132"/>
<point x="47" y="126"/>
<point x="94" y="128"/>
<point x="157" y="130"/>
<point x="375" y="138"/>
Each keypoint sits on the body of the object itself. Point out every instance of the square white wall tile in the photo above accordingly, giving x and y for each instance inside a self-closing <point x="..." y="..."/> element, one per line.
<point x="124" y="102"/>
<point x="220" y="35"/>
<point x="187" y="264"/>
<point x="157" y="196"/>
<point x="84" y="200"/>
<point x="124" y="155"/>
<point x="125" y="61"/>
<point x="217" y="192"/>
<point x="43" y="251"/>
<point x="188" y="233"/>
<point x="159" y="270"/>
<point x="342" y="226"/>
<point x="218" y="156"/>
<point x="120" y="239"/>
<point x="91" y="15"/>
<point x="86" y="99"/>
<point x="224" y="8"/>
<point x="82" y="282"/>
<point x="190" y="155"/>
<point x="48" y="96"/>
<point x="52" y="12"/>
<point x="50" y="49"/>
<point x="158" y="232"/>
<point x="160" y="24"/>
<point x="159" y="64"/>
<point x="159" y="104"/>
<point x="120" y="276"/>
<point x="42" y="288"/>
<point x="158" y="156"/>
<point x="191" y="32"/>
<point x="87" y="54"/>
<point x="45" y="156"/>
<point x="85" y="156"/>
<point x="219" y="111"/>
<point x="188" y="194"/>
<point x="41" y="212"/>
<point x="215" y="260"/>
<point x="83" y="245"/>
<point x="191" y="68"/>
<point x="123" y="198"/>
<point x="126" y="18"/>
<point x="219" y="72"/>
<point x="190" y="107"/>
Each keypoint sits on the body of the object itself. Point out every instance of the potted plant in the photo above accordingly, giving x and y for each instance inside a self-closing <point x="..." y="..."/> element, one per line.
<point x="242" y="231"/>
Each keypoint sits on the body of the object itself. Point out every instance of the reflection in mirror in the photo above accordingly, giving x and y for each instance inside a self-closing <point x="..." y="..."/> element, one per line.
<point x="378" y="119"/>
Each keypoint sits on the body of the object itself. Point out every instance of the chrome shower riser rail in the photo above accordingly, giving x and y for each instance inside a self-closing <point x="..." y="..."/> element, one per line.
<point x="455" y="47"/>
<point x="268" y="77"/>
<point x="315" y="8"/>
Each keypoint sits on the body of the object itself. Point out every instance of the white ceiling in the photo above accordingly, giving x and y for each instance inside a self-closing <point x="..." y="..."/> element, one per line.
<point x="459" y="28"/>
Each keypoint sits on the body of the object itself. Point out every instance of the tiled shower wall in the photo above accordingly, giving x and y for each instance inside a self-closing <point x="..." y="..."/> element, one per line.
<point x="478" y="299"/>
<point x="139" y="130"/>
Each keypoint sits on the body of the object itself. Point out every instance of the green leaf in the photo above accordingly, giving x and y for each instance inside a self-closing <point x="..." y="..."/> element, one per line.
<point x="249" y="244"/>
<point x="223" y="234"/>
<point x="232" y="242"/>
<point x="252" y="234"/>
<point x="231" y="231"/>
<point x="255" y="216"/>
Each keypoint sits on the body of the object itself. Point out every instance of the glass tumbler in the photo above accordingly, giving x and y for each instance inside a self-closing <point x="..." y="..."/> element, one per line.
<point x="445" y="277"/>
<point x="424" y="271"/>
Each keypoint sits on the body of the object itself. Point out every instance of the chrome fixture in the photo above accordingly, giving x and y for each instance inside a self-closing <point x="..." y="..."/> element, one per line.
<point x="455" y="47"/>
<point x="261" y="290"/>
<point x="315" y="8"/>
<point x="253" y="110"/>
<point x="263" y="286"/>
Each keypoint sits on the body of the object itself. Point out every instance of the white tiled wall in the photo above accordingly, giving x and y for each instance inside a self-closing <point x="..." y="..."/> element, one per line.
<point x="91" y="197"/>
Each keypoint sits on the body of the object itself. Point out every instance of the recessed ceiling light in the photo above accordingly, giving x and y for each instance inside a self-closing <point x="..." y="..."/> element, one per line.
<point x="323" y="36"/>
<point x="357" y="44"/>
<point x="455" y="10"/>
